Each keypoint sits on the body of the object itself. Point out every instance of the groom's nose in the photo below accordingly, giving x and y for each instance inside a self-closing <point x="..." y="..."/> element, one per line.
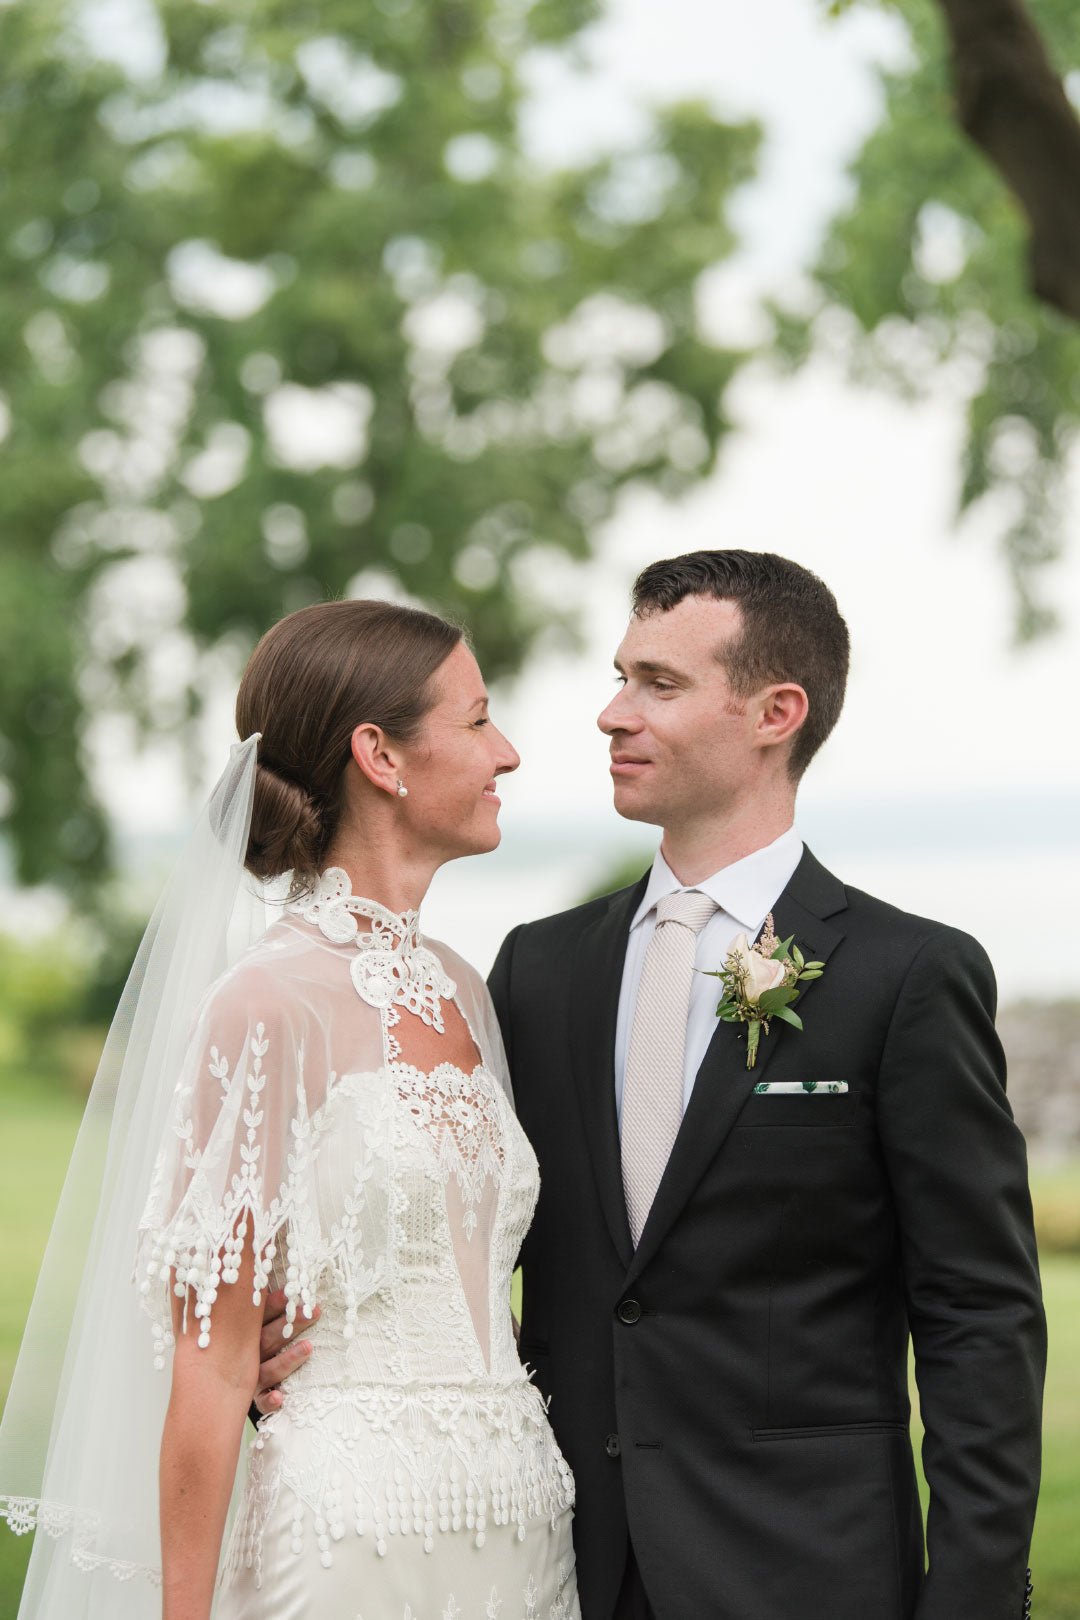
<point x="618" y="716"/>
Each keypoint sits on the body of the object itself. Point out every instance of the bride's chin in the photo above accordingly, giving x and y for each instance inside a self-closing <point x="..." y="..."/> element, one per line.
<point x="482" y="842"/>
<point x="493" y="840"/>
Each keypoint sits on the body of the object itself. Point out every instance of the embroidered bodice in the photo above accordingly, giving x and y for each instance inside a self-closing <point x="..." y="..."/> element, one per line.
<point x="396" y="1198"/>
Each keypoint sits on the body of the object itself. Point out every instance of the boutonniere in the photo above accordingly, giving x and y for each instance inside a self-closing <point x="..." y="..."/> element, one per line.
<point x="760" y="982"/>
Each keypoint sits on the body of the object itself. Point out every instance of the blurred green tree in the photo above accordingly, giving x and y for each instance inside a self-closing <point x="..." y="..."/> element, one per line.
<point x="286" y="310"/>
<point x="924" y="274"/>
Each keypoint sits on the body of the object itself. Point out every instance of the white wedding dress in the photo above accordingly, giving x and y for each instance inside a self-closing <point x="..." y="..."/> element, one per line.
<point x="411" y="1473"/>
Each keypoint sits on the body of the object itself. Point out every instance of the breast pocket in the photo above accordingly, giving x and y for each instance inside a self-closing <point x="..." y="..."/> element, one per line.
<point x="827" y="1102"/>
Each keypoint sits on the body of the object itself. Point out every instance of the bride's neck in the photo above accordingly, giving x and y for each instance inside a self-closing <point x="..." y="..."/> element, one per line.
<point x="383" y="871"/>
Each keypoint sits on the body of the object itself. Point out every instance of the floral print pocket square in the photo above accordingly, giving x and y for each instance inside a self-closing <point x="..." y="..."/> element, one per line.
<point x="794" y="1088"/>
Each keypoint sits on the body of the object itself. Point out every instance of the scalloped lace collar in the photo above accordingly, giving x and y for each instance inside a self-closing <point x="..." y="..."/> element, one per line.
<point x="392" y="966"/>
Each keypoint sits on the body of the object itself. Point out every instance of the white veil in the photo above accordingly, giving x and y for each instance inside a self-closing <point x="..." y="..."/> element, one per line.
<point x="82" y="1427"/>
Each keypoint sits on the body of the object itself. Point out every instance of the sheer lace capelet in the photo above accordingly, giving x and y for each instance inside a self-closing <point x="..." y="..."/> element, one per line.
<point x="299" y="1037"/>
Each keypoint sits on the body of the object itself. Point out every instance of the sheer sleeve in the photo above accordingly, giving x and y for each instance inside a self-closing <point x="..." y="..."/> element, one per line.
<point x="235" y="1166"/>
<point x="474" y="999"/>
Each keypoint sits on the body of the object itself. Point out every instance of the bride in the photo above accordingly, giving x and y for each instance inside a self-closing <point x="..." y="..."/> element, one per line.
<point x="336" y="1121"/>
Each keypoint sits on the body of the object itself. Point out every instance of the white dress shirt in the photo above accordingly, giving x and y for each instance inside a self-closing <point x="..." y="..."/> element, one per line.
<point x="745" y="892"/>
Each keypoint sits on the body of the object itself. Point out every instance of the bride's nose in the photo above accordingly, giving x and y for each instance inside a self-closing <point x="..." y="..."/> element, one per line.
<point x="508" y="759"/>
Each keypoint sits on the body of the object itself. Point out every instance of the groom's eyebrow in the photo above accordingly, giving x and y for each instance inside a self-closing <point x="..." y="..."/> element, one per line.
<point x="646" y="666"/>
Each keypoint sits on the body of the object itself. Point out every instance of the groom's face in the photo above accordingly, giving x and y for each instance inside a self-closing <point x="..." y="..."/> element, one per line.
<point x="682" y="744"/>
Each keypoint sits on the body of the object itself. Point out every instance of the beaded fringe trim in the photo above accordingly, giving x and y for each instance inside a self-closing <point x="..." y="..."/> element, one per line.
<point x="404" y="1463"/>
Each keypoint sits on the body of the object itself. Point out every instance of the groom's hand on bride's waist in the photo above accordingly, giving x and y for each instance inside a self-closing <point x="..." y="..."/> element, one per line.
<point x="278" y="1356"/>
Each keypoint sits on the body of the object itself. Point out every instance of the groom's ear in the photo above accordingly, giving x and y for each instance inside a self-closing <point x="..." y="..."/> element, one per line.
<point x="781" y="710"/>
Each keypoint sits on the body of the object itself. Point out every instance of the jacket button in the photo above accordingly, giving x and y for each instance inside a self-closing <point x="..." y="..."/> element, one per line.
<point x="629" y="1311"/>
<point x="613" y="1445"/>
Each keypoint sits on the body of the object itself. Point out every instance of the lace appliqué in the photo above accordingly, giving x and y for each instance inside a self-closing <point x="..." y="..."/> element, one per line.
<point x="496" y="1608"/>
<point x="204" y="1239"/>
<point x="393" y="967"/>
<point x="459" y="1118"/>
<point x="26" y="1513"/>
<point x="384" y="1461"/>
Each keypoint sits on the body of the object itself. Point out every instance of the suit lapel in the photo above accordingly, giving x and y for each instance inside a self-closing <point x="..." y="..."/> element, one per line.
<point x="723" y="1082"/>
<point x="596" y="980"/>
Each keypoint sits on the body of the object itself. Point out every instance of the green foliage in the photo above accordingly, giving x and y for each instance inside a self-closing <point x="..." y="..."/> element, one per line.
<point x="928" y="263"/>
<point x="58" y="994"/>
<point x="48" y="1034"/>
<point x="40" y="983"/>
<point x="620" y="874"/>
<point x="300" y="210"/>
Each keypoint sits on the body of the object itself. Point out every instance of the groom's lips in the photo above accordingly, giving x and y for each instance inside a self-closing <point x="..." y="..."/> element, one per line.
<point x="627" y="764"/>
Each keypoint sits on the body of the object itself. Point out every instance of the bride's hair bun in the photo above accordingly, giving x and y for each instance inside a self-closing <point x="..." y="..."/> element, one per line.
<point x="287" y="833"/>
<point x="314" y="677"/>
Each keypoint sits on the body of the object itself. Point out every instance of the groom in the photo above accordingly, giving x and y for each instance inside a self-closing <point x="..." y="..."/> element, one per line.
<point x="726" y="1264"/>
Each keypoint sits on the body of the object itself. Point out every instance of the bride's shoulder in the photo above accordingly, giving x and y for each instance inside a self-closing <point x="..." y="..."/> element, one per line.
<point x="266" y="983"/>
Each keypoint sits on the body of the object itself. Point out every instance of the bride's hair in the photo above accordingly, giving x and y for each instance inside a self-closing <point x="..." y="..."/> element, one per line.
<point x="312" y="679"/>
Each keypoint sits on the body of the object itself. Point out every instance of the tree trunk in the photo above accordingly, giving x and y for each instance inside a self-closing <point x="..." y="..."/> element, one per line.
<point x="1014" y="107"/>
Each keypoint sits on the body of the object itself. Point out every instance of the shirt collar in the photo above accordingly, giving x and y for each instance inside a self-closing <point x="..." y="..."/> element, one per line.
<point x="747" y="890"/>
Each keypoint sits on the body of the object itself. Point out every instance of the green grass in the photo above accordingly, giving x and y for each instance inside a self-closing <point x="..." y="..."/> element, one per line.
<point x="39" y="1126"/>
<point x="1056" y="1195"/>
<point x="1055" y="1550"/>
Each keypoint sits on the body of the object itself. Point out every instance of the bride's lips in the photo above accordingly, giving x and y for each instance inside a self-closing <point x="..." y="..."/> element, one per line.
<point x="628" y="764"/>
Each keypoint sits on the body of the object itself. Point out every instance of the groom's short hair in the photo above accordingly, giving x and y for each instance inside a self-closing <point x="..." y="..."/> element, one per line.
<point x="792" y="629"/>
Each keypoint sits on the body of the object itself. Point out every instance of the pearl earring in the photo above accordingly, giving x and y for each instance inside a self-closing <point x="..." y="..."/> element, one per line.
<point x="402" y="790"/>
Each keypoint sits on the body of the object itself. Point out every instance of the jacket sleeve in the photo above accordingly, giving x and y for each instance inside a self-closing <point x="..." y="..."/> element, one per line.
<point x="958" y="1170"/>
<point x="499" y="986"/>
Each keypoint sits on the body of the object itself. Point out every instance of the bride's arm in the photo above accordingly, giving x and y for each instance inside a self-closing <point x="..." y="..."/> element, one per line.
<point x="208" y="1404"/>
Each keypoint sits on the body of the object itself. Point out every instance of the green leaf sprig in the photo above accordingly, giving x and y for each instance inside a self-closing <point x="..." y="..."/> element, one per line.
<point x="753" y="994"/>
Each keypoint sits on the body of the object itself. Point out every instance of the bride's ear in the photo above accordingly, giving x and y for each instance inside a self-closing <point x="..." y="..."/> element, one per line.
<point x="377" y="757"/>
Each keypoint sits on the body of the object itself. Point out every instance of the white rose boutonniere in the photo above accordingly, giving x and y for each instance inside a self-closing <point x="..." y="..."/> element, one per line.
<point x="760" y="982"/>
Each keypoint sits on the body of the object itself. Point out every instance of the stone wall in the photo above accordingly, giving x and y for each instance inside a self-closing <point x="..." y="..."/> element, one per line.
<point x="1042" y="1043"/>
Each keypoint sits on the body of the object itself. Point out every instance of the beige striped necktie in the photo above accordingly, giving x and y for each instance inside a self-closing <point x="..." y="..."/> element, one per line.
<point x="652" y="1104"/>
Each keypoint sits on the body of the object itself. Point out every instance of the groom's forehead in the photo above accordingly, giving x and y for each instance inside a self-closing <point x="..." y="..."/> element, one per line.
<point x="696" y="628"/>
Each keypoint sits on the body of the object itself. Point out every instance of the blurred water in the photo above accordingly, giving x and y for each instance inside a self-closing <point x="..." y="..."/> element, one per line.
<point x="1006" y="870"/>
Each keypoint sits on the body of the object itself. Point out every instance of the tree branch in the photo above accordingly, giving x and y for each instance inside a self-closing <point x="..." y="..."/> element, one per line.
<point x="1013" y="106"/>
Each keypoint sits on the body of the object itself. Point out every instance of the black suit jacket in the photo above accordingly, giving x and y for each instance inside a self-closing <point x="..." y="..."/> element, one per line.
<point x="733" y="1395"/>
